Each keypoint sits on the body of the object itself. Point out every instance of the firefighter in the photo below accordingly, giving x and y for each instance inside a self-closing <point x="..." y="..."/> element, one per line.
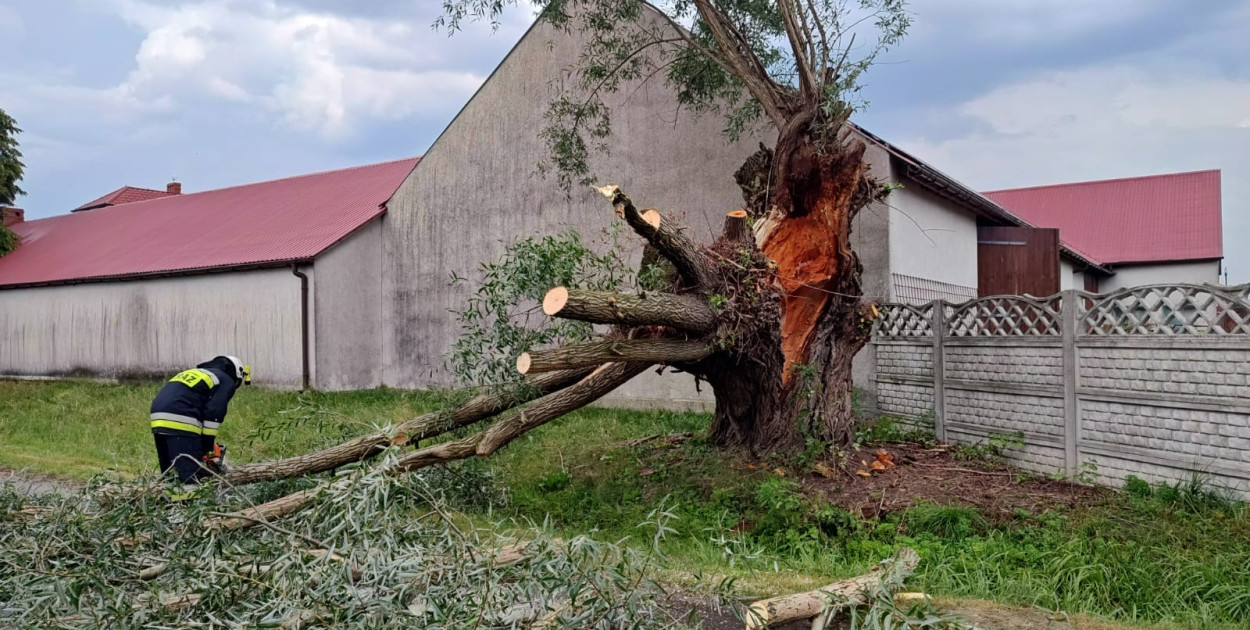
<point x="188" y="412"/>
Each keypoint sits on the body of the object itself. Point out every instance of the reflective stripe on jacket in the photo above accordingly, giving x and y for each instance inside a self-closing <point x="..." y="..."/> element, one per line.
<point x="193" y="401"/>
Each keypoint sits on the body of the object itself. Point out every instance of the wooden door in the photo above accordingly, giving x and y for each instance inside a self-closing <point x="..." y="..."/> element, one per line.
<point x="1017" y="261"/>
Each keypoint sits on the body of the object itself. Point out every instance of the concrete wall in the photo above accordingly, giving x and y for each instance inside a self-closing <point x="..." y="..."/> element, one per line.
<point x="476" y="189"/>
<point x="1068" y="277"/>
<point x="347" y="300"/>
<point x="1166" y="273"/>
<point x="1092" y="400"/>
<point x="870" y="239"/>
<point x="155" y="326"/>
<point x="933" y="247"/>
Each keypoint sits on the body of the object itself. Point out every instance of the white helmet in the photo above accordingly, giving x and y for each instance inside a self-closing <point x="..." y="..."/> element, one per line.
<point x="241" y="371"/>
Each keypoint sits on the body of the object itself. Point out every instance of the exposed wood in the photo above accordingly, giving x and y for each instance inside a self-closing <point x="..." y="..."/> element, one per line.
<point x="652" y="308"/>
<point x="812" y="246"/>
<point x="736" y="229"/>
<point x="600" y="352"/>
<point x="425" y="426"/>
<point x="776" y="611"/>
<point x="668" y="239"/>
<point x="652" y="217"/>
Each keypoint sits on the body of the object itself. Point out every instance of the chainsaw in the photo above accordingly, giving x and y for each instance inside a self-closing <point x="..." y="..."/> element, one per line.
<point x="215" y="460"/>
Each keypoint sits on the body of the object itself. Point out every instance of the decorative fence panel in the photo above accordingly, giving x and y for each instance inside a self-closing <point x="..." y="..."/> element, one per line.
<point x="1150" y="381"/>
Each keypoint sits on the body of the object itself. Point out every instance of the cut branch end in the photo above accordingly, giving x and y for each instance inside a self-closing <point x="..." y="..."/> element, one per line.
<point x="555" y="300"/>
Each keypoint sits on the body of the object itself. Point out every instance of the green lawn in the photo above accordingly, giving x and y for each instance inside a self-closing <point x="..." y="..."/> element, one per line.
<point x="1172" y="557"/>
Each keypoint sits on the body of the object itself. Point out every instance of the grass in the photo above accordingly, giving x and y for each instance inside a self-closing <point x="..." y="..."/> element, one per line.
<point x="74" y="429"/>
<point x="1164" y="557"/>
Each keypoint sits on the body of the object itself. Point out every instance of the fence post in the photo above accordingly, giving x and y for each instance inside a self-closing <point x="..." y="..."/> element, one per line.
<point x="1071" y="417"/>
<point x="939" y="369"/>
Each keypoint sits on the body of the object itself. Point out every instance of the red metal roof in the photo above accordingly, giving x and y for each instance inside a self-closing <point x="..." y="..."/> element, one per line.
<point x="125" y="194"/>
<point x="1138" y="219"/>
<point x="270" y="222"/>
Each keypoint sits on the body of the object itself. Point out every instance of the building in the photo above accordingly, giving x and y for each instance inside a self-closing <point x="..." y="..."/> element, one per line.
<point x="1145" y="230"/>
<point x="140" y="284"/>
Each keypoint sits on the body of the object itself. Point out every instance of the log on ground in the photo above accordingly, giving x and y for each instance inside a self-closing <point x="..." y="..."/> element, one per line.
<point x="767" y="613"/>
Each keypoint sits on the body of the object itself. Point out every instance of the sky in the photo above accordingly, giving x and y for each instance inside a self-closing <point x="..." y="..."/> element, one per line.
<point x="212" y="93"/>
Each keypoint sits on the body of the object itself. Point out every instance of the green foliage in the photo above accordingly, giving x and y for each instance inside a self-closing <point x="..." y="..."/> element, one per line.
<point x="8" y="241"/>
<point x="11" y="166"/>
<point x="501" y="318"/>
<point x="945" y="522"/>
<point x="891" y="430"/>
<point x="1138" y="487"/>
<point x="81" y="561"/>
<point x="993" y="450"/>
<point x="626" y="42"/>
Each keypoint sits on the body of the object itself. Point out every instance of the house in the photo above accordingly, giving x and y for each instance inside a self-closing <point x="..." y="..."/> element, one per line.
<point x="138" y="283"/>
<point x="1146" y="230"/>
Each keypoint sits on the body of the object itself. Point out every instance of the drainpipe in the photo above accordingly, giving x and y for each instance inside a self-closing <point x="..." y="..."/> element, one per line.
<point x="303" y="322"/>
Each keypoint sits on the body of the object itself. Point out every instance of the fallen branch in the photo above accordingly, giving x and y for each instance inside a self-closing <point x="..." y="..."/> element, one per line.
<point x="767" y="613"/>
<point x="684" y="312"/>
<point x="589" y="389"/>
<point x="615" y="350"/>
<point x="425" y="426"/>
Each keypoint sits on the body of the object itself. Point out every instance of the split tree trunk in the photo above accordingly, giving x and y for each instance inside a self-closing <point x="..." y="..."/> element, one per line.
<point x="793" y="384"/>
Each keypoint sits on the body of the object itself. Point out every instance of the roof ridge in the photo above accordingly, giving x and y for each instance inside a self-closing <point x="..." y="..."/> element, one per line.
<point x="1102" y="181"/>
<point x="164" y="196"/>
<point x="287" y="178"/>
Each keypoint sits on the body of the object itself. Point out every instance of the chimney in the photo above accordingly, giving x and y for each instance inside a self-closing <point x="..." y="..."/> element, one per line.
<point x="173" y="188"/>
<point x="12" y="216"/>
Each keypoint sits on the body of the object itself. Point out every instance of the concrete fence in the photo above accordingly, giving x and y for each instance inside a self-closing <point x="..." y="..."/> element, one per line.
<point x="1149" y="381"/>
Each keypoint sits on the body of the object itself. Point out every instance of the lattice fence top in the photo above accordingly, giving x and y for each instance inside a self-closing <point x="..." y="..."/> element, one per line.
<point x="1006" y="316"/>
<point x="1174" y="309"/>
<point x="903" y="321"/>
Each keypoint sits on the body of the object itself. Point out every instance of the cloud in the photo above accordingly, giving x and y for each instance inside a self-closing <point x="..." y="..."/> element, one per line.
<point x="1105" y="122"/>
<point x="316" y="70"/>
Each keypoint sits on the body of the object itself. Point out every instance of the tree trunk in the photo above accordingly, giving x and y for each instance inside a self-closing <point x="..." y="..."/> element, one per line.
<point x="789" y="382"/>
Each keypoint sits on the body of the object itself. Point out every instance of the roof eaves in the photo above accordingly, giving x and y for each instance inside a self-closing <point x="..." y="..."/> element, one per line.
<point x="948" y="187"/>
<point x="148" y="275"/>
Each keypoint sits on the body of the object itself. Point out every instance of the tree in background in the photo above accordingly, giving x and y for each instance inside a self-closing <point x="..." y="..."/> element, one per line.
<point x="777" y="297"/>
<point x="11" y="168"/>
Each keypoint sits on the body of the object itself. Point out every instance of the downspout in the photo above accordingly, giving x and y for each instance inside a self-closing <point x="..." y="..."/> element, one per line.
<point x="303" y="322"/>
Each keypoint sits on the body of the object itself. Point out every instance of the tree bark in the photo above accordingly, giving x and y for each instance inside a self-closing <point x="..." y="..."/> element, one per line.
<point x="840" y="595"/>
<point x="412" y="430"/>
<point x="736" y="229"/>
<point x="591" y="354"/>
<point x="789" y="381"/>
<point x="649" y="308"/>
<point x="667" y="238"/>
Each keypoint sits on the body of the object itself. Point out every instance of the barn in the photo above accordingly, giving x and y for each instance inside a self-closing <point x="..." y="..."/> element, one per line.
<point x="275" y="272"/>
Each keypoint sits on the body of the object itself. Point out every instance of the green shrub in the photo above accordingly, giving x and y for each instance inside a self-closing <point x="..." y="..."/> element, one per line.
<point x="944" y="522"/>
<point x="1138" y="487"/>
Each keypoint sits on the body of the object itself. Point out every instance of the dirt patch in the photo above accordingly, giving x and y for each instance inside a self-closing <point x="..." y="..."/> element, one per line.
<point x="33" y="485"/>
<point x="921" y="474"/>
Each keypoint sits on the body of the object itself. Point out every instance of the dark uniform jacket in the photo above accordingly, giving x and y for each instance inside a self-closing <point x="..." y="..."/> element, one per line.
<point x="194" y="401"/>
